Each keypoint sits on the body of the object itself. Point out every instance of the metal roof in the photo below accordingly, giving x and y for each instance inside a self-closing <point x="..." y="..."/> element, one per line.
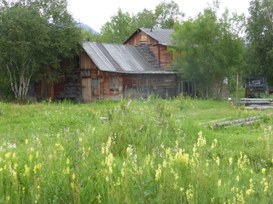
<point x="163" y="36"/>
<point x="120" y="59"/>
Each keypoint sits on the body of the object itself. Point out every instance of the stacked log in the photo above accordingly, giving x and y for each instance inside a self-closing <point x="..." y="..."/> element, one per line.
<point x="237" y="122"/>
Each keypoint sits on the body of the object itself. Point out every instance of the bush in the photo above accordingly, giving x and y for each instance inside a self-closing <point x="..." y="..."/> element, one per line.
<point x="5" y="89"/>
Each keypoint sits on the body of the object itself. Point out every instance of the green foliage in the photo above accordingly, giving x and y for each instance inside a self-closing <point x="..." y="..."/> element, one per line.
<point x="155" y="151"/>
<point x="88" y="36"/>
<point x="260" y="36"/>
<point x="206" y="50"/>
<point x="145" y="19"/>
<point x="119" y="28"/>
<point x="167" y="14"/>
<point x="34" y="37"/>
<point x="122" y="25"/>
<point x="5" y="89"/>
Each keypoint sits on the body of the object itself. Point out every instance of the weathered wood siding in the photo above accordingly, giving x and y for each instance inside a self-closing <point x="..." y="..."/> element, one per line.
<point x="44" y="90"/>
<point x="160" y="52"/>
<point x="98" y="85"/>
<point x="86" y="62"/>
<point x="141" y="86"/>
<point x="141" y="38"/>
<point x="86" y="67"/>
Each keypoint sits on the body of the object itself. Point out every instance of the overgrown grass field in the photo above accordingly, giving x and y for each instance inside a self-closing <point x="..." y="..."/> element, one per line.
<point x="154" y="151"/>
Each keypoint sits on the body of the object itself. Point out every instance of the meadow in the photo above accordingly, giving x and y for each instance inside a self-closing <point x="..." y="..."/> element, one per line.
<point x="153" y="151"/>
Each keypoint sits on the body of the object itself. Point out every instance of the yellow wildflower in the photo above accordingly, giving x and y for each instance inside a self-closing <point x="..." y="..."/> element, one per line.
<point x="30" y="157"/>
<point x="182" y="158"/>
<point x="217" y="161"/>
<point x="7" y="198"/>
<point x="240" y="197"/>
<point x="251" y="188"/>
<point x="67" y="170"/>
<point x="263" y="170"/>
<point x="230" y="160"/>
<point x="122" y="171"/>
<point x="237" y="178"/>
<point x="80" y="139"/>
<point x="14" y="174"/>
<point x="189" y="194"/>
<point x="26" y="172"/>
<point x="249" y="192"/>
<point x="109" y="162"/>
<point x="219" y="183"/>
<point x="264" y="182"/>
<point x="73" y="176"/>
<point x="201" y="141"/>
<point x="37" y="154"/>
<point x="158" y="172"/>
<point x="8" y="155"/>
<point x="37" y="167"/>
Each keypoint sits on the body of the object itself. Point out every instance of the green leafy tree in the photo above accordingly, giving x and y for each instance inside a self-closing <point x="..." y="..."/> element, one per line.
<point x="34" y="37"/>
<point x="145" y="19"/>
<point x="122" y="25"/>
<point x="167" y="14"/>
<point x="118" y="29"/>
<point x="260" y="38"/>
<point x="207" y="51"/>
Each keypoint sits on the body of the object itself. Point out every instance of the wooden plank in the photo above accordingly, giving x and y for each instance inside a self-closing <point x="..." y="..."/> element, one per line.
<point x="237" y="122"/>
<point x="86" y="89"/>
<point x="248" y="101"/>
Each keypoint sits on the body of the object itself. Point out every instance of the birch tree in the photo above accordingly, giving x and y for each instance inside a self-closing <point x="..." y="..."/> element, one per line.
<point x="34" y="37"/>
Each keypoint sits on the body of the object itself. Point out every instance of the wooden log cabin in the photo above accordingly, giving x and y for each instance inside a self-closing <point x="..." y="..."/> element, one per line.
<point x="136" y="69"/>
<point x="111" y="71"/>
<point x="158" y="41"/>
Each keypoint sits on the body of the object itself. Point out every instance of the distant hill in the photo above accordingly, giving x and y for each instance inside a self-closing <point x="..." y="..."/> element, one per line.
<point x="87" y="27"/>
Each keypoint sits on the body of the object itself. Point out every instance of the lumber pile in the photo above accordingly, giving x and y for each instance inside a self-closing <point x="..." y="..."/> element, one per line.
<point x="256" y="101"/>
<point x="237" y="122"/>
<point x="253" y="103"/>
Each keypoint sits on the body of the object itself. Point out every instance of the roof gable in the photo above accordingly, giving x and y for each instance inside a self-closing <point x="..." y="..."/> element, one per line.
<point x="120" y="58"/>
<point x="162" y="36"/>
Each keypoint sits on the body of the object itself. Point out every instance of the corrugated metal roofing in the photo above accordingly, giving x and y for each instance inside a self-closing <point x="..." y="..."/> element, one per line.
<point x="120" y="58"/>
<point x="163" y="36"/>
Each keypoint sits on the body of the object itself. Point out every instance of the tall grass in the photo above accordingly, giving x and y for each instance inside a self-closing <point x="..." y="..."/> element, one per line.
<point x="155" y="151"/>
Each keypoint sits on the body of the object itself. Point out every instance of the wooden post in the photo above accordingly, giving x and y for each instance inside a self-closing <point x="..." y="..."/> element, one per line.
<point x="237" y="86"/>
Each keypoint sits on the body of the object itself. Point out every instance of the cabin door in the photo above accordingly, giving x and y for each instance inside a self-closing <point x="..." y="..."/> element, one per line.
<point x="86" y="89"/>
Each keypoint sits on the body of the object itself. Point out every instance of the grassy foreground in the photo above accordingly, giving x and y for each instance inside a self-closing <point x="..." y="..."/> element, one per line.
<point x="155" y="151"/>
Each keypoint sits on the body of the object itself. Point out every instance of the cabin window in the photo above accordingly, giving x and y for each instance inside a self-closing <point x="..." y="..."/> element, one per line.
<point x="94" y="84"/>
<point x="113" y="83"/>
<point x="143" y="39"/>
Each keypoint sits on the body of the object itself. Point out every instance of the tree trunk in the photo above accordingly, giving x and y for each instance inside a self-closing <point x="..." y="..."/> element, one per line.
<point x="19" y="81"/>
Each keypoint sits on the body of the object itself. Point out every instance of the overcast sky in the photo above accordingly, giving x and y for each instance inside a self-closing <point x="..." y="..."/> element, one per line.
<point x="97" y="12"/>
